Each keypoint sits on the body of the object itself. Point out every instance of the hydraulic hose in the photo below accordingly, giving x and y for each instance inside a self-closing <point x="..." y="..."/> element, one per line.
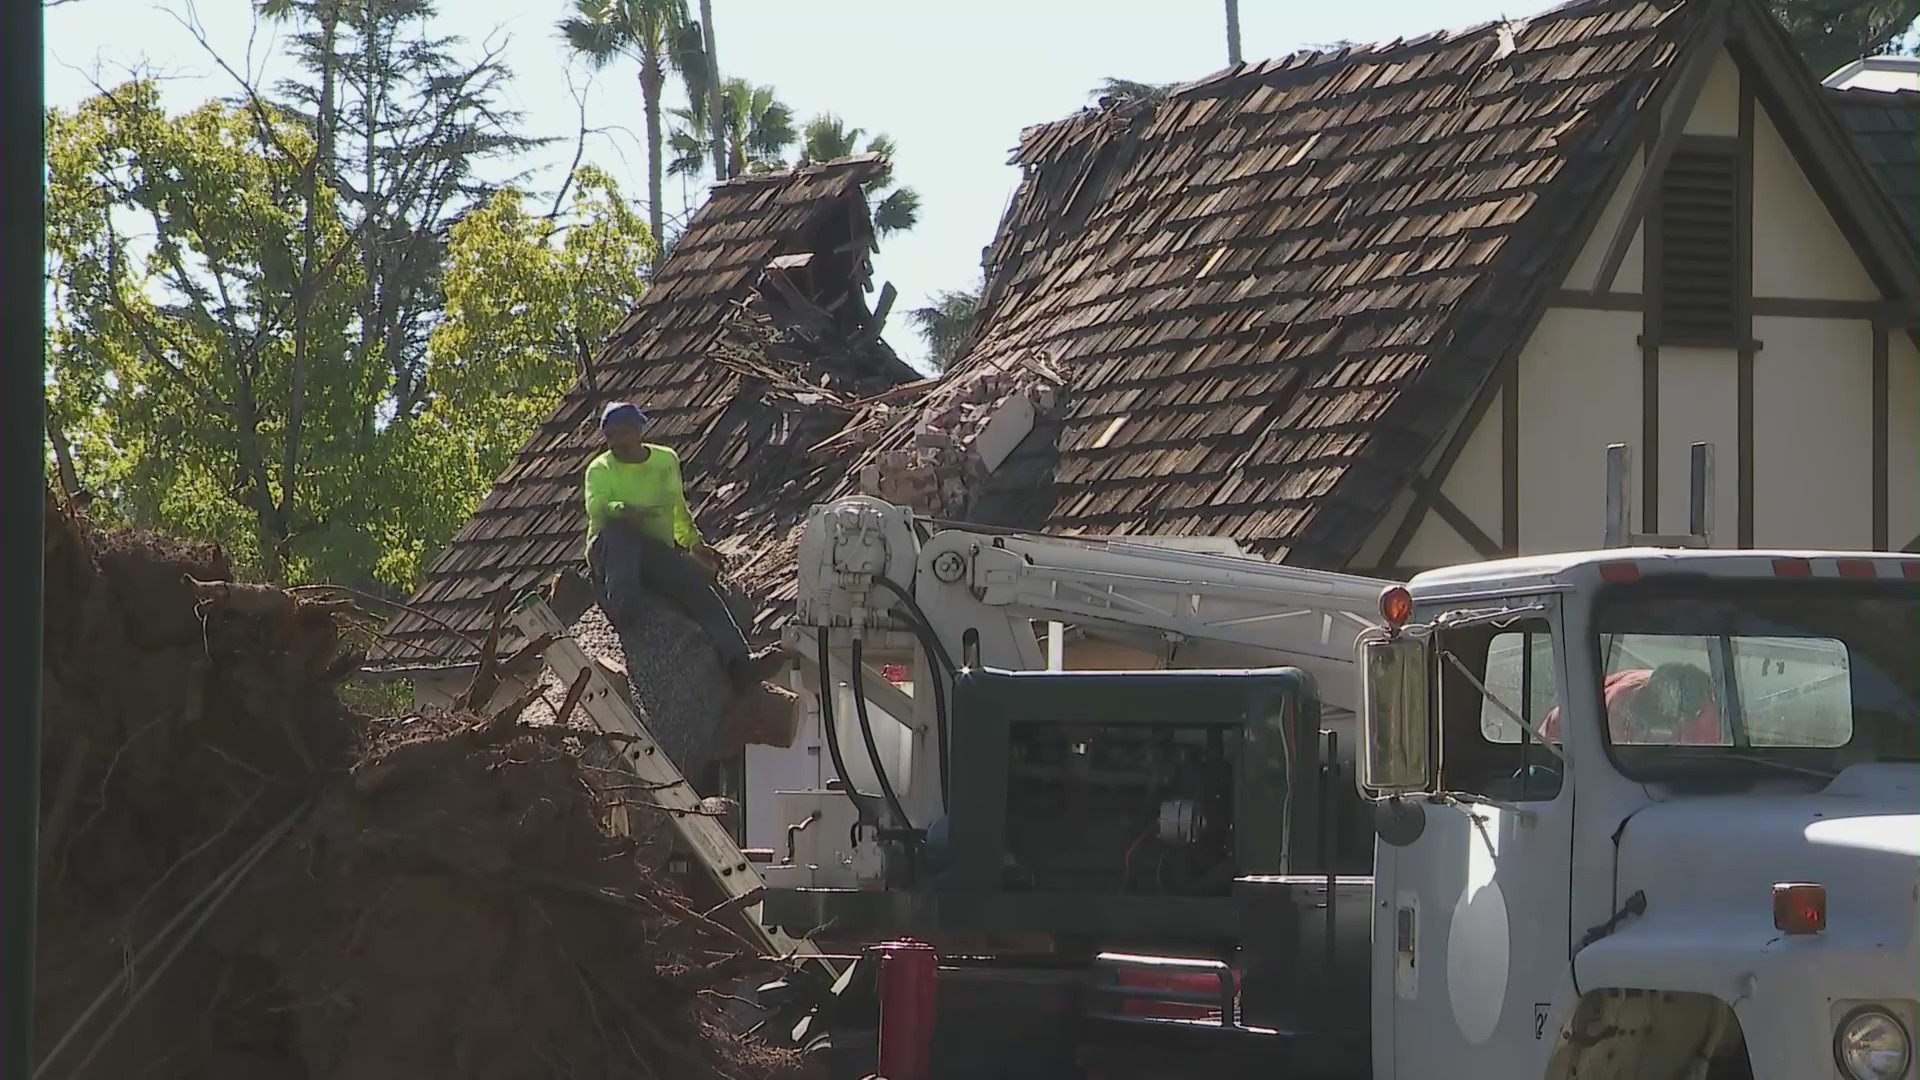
<point x="930" y="644"/>
<point x="866" y="735"/>
<point x="925" y="625"/>
<point x="862" y="803"/>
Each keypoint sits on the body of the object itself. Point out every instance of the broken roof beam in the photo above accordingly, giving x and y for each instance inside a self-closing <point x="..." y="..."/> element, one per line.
<point x="878" y="322"/>
<point x="801" y="310"/>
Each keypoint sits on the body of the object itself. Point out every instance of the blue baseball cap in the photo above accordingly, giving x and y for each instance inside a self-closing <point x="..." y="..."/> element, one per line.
<point x="622" y="412"/>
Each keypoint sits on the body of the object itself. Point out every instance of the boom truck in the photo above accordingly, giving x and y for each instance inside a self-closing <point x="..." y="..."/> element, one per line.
<point x="1341" y="827"/>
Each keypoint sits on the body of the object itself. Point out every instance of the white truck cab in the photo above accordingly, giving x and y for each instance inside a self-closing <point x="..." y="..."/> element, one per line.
<point x="1646" y="813"/>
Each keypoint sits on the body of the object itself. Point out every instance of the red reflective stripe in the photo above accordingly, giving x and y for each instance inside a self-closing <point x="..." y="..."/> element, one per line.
<point x="1619" y="571"/>
<point x="1910" y="569"/>
<point x="1198" y="982"/>
<point x="1857" y="568"/>
<point x="1792" y="568"/>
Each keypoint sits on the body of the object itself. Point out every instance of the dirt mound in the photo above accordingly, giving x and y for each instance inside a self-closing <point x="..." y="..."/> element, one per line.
<point x="242" y="879"/>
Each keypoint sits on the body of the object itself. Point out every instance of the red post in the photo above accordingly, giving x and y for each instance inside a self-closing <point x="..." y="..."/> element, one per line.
<point x="906" y="1010"/>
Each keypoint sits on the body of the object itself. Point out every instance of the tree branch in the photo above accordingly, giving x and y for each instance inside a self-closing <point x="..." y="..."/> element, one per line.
<point x="579" y="149"/>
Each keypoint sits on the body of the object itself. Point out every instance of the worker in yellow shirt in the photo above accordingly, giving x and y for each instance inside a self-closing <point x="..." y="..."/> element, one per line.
<point x="641" y="539"/>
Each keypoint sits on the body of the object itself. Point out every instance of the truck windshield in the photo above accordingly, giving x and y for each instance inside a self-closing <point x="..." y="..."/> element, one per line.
<point x="1733" y="680"/>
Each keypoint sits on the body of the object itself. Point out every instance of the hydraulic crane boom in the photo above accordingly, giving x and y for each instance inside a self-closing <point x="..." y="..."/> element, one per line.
<point x="901" y="590"/>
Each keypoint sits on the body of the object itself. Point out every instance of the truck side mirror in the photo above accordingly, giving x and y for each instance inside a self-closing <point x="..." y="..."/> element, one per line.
<point x="1396" y="744"/>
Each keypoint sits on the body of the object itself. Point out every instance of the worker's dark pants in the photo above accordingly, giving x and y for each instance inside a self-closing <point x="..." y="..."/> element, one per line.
<point x="627" y="564"/>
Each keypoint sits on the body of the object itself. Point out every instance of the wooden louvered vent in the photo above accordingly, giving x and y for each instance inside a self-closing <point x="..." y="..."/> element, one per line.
<point x="1699" y="256"/>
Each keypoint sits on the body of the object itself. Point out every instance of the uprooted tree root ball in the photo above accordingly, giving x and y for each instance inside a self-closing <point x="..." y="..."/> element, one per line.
<point x="242" y="879"/>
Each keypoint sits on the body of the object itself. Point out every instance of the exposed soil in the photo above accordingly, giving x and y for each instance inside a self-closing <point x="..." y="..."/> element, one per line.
<point x="253" y="882"/>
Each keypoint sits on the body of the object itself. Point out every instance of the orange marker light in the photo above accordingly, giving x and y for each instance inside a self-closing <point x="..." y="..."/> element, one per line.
<point x="1799" y="907"/>
<point x="1396" y="605"/>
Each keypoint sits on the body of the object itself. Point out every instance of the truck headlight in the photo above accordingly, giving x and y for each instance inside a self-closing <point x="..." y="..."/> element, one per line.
<point x="1872" y="1045"/>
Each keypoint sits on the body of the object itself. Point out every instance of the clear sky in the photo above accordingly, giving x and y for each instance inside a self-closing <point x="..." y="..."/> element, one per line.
<point x="953" y="81"/>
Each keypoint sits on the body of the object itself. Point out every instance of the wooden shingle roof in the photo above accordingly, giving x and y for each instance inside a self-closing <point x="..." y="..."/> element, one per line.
<point x="1885" y="128"/>
<point x="752" y="342"/>
<point x="1274" y="291"/>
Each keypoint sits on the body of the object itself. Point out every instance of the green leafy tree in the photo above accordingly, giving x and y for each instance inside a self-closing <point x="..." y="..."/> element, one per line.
<point x="826" y="137"/>
<point x="756" y="128"/>
<point x="402" y="125"/>
<point x="203" y="370"/>
<point x="528" y="300"/>
<point x="200" y="351"/>
<point x="659" y="36"/>
<point x="947" y="324"/>
<point x="1833" y="33"/>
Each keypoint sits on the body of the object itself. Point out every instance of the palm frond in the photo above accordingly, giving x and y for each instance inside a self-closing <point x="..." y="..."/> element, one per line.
<point x="601" y="43"/>
<point x="688" y="56"/>
<point x="689" y="154"/>
<point x="827" y="137"/>
<point x="947" y="324"/>
<point x="898" y="212"/>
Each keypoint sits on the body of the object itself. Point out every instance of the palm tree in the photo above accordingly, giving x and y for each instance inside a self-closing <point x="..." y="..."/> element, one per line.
<point x="655" y="33"/>
<point x="826" y="137"/>
<point x="713" y="87"/>
<point x="947" y="324"/>
<point x="756" y="131"/>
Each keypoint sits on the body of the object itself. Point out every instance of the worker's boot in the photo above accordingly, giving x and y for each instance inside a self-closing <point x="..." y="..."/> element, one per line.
<point x="569" y="595"/>
<point x="757" y="667"/>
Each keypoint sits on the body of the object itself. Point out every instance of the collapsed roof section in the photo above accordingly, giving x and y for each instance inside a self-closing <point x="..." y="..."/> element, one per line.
<point x="753" y="343"/>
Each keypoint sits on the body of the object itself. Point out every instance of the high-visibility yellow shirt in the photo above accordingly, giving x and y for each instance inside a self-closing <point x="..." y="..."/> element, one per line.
<point x="614" y="486"/>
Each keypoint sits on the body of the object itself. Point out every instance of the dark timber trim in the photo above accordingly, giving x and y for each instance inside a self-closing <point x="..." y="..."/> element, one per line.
<point x="1704" y="54"/>
<point x="1450" y="512"/>
<point x="1510" y="461"/>
<point x="1882" y="407"/>
<point x="1427" y="488"/>
<point x="1892" y="312"/>
<point x="1651" y="284"/>
<point x="1743" y="284"/>
<point x="1824" y="152"/>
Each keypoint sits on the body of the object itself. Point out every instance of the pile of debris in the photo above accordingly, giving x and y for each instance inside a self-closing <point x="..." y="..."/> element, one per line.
<point x="959" y="435"/>
<point x="240" y="878"/>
